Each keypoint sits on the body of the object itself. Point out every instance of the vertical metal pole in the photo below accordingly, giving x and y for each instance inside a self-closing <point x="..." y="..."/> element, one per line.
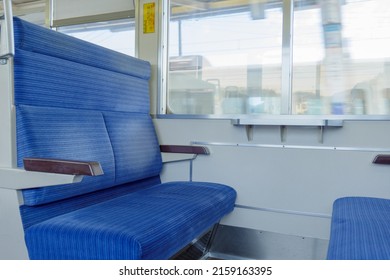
<point x="180" y="37"/>
<point x="49" y="13"/>
<point x="287" y="55"/>
<point x="7" y="109"/>
<point x="7" y="36"/>
<point x="191" y="166"/>
<point x="163" y="67"/>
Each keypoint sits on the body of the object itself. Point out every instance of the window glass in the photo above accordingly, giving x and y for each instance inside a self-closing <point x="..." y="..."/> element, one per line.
<point x="36" y="18"/>
<point x="224" y="57"/>
<point x="341" y="57"/>
<point x="116" y="35"/>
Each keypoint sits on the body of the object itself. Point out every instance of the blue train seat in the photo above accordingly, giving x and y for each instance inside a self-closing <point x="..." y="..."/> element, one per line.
<point x="80" y="102"/>
<point x="360" y="229"/>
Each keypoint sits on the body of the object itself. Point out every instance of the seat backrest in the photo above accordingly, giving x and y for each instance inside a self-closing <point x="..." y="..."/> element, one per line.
<point x="78" y="101"/>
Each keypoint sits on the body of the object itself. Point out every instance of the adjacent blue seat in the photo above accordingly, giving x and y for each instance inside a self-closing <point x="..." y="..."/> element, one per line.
<point x="78" y="101"/>
<point x="360" y="229"/>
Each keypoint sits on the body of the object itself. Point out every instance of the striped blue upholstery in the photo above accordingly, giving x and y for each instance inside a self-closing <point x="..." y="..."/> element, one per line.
<point x="33" y="39"/>
<point x="76" y="85"/>
<point x="133" y="130"/>
<point x="32" y="215"/>
<point x="149" y="224"/>
<point x="52" y="90"/>
<point x="360" y="229"/>
<point x="78" y="101"/>
<point x="55" y="133"/>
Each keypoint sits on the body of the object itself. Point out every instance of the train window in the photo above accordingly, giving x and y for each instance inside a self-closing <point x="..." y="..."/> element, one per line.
<point x="224" y="57"/>
<point x="36" y="18"/>
<point x="230" y="57"/>
<point x="31" y="11"/>
<point x="118" y="35"/>
<point x="341" y="62"/>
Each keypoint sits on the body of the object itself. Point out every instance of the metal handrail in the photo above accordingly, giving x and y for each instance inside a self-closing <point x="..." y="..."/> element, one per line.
<point x="7" y="44"/>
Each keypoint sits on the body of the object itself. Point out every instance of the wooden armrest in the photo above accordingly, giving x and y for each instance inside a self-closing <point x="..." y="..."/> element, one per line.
<point x="382" y="159"/>
<point x="185" y="149"/>
<point x="70" y="167"/>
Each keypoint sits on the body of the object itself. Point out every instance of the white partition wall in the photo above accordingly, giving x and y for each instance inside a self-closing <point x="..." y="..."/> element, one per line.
<point x="79" y="11"/>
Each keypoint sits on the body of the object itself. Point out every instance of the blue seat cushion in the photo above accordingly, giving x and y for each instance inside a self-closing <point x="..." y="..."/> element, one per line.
<point x="135" y="145"/>
<point x="64" y="134"/>
<point x="360" y="229"/>
<point x="150" y="224"/>
<point x="32" y="215"/>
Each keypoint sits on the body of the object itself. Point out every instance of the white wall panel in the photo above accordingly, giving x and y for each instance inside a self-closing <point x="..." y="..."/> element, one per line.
<point x="67" y="9"/>
<point x="290" y="189"/>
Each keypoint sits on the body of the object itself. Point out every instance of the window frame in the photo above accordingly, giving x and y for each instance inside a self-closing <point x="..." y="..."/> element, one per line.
<point x="286" y="115"/>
